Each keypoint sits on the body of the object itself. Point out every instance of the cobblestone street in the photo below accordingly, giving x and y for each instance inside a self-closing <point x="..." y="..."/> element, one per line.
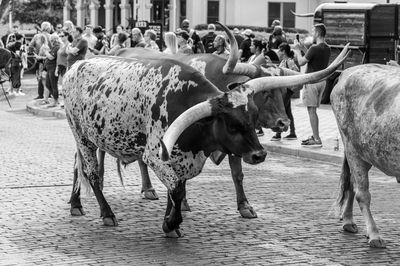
<point x="292" y="197"/>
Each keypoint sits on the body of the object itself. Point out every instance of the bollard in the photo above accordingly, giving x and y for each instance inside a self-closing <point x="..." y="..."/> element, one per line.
<point x="336" y="144"/>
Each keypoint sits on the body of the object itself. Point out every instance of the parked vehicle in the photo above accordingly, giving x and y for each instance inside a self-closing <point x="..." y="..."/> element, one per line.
<point x="372" y="30"/>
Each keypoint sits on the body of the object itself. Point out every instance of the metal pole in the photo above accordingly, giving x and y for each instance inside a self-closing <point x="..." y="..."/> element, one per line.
<point x="10" y="14"/>
<point x="173" y="16"/>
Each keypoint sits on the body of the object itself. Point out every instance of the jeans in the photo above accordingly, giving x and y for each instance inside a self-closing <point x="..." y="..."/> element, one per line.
<point x="52" y="82"/>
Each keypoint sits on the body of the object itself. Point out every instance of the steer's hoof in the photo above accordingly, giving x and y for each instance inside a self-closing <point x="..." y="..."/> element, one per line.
<point x="377" y="243"/>
<point x="185" y="206"/>
<point x="351" y="228"/>
<point x="248" y="212"/>
<point x="176" y="233"/>
<point x="110" y="221"/>
<point x="150" y="194"/>
<point x="77" y="211"/>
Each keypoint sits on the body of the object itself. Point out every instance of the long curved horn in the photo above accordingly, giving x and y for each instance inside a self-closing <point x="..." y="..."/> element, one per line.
<point x="270" y="83"/>
<point x="288" y="72"/>
<point x="305" y="15"/>
<point x="234" y="54"/>
<point x="232" y="66"/>
<point x="187" y="118"/>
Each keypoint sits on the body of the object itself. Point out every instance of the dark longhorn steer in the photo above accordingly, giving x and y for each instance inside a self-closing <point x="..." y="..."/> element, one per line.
<point x="366" y="103"/>
<point x="12" y="65"/>
<point x="271" y="112"/>
<point x="123" y="107"/>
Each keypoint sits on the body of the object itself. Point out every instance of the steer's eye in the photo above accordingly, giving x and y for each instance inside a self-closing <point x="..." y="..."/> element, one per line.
<point x="232" y="128"/>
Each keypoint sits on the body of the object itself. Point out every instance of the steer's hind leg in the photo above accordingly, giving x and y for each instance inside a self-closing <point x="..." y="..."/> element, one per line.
<point x="148" y="191"/>
<point x="244" y="207"/>
<point x="359" y="171"/>
<point x="75" y="200"/>
<point x="173" y="215"/>
<point x="88" y="171"/>
<point x="348" y="198"/>
<point x="100" y="157"/>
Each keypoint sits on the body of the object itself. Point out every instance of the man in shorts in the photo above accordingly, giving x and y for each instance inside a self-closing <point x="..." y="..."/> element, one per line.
<point x="316" y="58"/>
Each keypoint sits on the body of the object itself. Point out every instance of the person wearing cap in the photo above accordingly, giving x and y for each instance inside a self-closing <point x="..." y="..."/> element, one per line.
<point x="244" y="51"/>
<point x="101" y="40"/>
<point x="183" y="38"/>
<point x="197" y="45"/>
<point x="279" y="32"/>
<point x="239" y="38"/>
<point x="276" y="38"/>
<point x="208" y="39"/>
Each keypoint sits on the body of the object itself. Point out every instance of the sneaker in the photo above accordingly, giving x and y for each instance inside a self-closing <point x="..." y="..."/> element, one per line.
<point x="44" y="102"/>
<point x="290" y="137"/>
<point x="20" y="93"/>
<point x="277" y="137"/>
<point x="311" y="142"/>
<point x="38" y="97"/>
<point x="306" y="140"/>
<point x="260" y="133"/>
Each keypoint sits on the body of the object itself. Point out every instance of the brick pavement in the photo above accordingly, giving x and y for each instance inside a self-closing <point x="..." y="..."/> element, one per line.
<point x="292" y="197"/>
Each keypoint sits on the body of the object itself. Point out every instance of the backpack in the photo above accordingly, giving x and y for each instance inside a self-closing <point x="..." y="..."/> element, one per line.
<point x="209" y="43"/>
<point x="198" y="46"/>
<point x="190" y="41"/>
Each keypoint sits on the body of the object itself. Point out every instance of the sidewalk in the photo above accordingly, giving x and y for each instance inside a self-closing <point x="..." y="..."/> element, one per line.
<point x="327" y="125"/>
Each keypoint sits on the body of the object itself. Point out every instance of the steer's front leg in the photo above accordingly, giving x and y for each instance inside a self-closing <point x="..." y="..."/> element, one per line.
<point x="173" y="215"/>
<point x="244" y="207"/>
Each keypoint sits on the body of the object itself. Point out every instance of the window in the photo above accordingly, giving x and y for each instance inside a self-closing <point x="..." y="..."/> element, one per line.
<point x="182" y="11"/>
<point x="212" y="11"/>
<point x="282" y="12"/>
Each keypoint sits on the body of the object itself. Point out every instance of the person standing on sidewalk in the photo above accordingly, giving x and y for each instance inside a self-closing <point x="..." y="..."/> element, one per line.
<point x="221" y="46"/>
<point x="51" y="66"/>
<point x="208" y="39"/>
<point x="77" y="49"/>
<point x="316" y="58"/>
<point x="286" y="55"/>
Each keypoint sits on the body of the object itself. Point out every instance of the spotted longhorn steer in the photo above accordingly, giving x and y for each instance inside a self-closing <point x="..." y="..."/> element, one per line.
<point x="271" y="112"/>
<point x="366" y="103"/>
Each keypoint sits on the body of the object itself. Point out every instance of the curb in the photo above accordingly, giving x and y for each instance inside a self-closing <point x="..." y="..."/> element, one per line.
<point x="33" y="108"/>
<point x="3" y="98"/>
<point x="307" y="153"/>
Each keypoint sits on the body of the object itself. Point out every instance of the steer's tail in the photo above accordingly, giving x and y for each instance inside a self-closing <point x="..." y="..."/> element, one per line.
<point x="82" y="181"/>
<point x="345" y="185"/>
<point x="120" y="172"/>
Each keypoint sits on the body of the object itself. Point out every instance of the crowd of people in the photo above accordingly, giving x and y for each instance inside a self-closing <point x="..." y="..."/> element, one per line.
<point x="57" y="48"/>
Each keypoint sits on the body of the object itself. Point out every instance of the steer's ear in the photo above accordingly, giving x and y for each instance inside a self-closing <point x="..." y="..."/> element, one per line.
<point x="164" y="152"/>
<point x="234" y="85"/>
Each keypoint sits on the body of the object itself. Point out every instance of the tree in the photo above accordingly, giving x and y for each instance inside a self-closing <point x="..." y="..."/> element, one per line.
<point x="37" y="11"/>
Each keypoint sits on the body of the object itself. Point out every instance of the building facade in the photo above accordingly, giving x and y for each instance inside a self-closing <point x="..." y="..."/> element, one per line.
<point x="110" y="13"/>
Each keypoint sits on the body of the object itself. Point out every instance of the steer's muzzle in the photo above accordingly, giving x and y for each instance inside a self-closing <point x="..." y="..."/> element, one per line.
<point x="255" y="157"/>
<point x="281" y="125"/>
